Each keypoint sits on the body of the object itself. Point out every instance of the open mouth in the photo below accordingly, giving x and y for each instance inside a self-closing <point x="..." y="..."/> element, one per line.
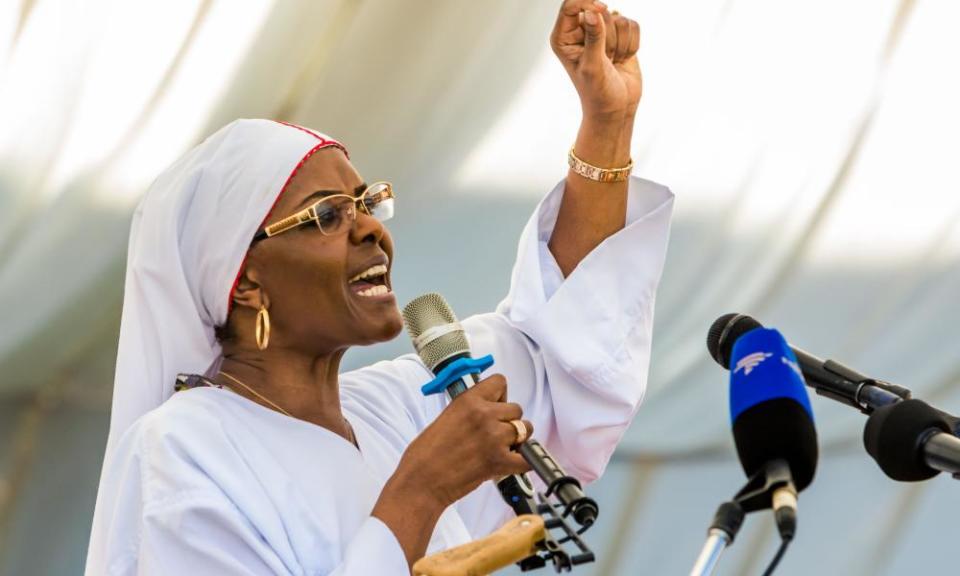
<point x="370" y="282"/>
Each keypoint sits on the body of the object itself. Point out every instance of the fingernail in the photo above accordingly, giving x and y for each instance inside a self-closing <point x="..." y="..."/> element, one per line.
<point x="580" y="17"/>
<point x="591" y="17"/>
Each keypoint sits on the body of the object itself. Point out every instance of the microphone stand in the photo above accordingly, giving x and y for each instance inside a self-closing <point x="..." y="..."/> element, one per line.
<point x="726" y="523"/>
<point x="757" y="494"/>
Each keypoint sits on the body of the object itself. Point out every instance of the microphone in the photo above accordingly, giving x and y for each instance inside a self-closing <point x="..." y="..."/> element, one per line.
<point x="772" y="425"/>
<point x="911" y="441"/>
<point x="773" y="432"/>
<point x="829" y="378"/>
<point x="441" y="343"/>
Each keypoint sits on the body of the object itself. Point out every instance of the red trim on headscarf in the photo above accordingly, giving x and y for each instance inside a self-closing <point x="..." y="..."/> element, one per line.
<point x="317" y="136"/>
<point x="324" y="143"/>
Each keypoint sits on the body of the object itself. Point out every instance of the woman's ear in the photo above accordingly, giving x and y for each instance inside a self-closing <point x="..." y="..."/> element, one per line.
<point x="249" y="293"/>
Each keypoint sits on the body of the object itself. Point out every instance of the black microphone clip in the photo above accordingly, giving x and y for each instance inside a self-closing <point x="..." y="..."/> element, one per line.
<point x="772" y="487"/>
<point x="847" y="386"/>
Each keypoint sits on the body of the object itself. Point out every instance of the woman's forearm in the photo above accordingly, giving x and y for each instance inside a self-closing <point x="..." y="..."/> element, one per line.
<point x="592" y="211"/>
<point x="598" y="49"/>
<point x="410" y="513"/>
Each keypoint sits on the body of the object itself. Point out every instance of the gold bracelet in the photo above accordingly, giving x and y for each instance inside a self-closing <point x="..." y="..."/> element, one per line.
<point x="596" y="173"/>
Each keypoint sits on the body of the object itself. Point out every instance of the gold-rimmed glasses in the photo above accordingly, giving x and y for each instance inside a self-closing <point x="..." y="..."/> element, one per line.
<point x="335" y="214"/>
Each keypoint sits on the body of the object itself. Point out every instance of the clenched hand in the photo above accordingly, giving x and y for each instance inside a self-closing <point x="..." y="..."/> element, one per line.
<point x="598" y="49"/>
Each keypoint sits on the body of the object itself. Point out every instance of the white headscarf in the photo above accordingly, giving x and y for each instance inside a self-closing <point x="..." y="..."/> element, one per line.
<point x="188" y="241"/>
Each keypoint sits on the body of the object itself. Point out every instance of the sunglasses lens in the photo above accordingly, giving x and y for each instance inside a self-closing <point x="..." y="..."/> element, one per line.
<point x="383" y="210"/>
<point x="378" y="201"/>
<point x="334" y="214"/>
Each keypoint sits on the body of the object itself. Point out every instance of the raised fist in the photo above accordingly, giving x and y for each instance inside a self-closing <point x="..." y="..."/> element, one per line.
<point x="598" y="49"/>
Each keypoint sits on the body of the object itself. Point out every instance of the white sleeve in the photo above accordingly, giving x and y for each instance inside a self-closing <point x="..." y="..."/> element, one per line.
<point x="576" y="350"/>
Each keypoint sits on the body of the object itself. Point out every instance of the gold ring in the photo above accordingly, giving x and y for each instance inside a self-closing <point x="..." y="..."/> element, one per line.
<point x="521" y="431"/>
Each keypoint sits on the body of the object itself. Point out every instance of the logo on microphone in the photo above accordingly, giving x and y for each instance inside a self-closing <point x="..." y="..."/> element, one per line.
<point x="793" y="366"/>
<point x="751" y="361"/>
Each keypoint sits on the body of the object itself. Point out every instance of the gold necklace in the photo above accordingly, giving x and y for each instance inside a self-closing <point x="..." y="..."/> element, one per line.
<point x="257" y="394"/>
<point x="353" y="436"/>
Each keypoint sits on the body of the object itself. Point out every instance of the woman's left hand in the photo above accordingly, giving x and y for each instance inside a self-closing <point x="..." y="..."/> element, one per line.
<point x="598" y="49"/>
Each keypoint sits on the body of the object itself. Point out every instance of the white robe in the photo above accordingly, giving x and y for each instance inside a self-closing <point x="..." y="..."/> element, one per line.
<point x="212" y="483"/>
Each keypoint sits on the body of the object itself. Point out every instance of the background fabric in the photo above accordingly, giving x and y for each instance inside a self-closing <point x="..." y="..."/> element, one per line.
<point x="811" y="147"/>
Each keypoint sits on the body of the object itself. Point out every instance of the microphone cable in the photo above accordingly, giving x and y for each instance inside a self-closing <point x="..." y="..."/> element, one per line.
<point x="776" y="558"/>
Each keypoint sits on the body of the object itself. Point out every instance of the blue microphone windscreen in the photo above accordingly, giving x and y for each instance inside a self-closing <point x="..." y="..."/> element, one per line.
<point x="763" y="367"/>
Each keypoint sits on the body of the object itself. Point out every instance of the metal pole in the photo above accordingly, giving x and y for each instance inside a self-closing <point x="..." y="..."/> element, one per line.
<point x="717" y="541"/>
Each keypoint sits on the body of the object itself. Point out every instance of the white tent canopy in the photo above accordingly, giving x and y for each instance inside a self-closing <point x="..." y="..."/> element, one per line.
<point x="812" y="147"/>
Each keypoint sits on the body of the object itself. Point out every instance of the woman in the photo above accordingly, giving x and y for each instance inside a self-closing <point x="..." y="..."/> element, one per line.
<point x="274" y="463"/>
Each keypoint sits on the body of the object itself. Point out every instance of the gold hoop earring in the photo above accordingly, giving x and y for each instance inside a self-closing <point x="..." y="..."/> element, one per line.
<point x="263" y="328"/>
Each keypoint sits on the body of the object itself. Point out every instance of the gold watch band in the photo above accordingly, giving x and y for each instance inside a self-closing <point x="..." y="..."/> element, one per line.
<point x="596" y="173"/>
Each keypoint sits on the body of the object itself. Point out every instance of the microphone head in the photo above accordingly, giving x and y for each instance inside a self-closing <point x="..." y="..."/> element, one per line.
<point x="769" y="407"/>
<point x="725" y="332"/>
<point x="434" y="329"/>
<point x="891" y="438"/>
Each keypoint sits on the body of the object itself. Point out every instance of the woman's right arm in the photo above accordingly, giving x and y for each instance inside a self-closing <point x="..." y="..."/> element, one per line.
<point x="468" y="443"/>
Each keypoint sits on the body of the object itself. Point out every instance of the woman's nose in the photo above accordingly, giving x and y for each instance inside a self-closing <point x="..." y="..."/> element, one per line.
<point x="366" y="228"/>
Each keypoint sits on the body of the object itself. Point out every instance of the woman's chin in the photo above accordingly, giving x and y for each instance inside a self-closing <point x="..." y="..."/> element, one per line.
<point x="394" y="327"/>
<point x="388" y="328"/>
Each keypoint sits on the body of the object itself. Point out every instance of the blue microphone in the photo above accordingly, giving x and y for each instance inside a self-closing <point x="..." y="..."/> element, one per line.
<point x="772" y="419"/>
